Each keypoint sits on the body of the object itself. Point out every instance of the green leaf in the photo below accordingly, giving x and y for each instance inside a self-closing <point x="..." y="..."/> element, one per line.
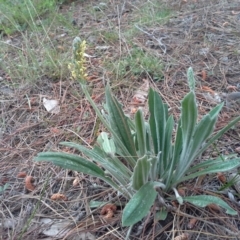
<point x="188" y="117"/>
<point x="140" y="172"/>
<point x="191" y="79"/>
<point x="153" y="173"/>
<point x="138" y="207"/>
<point x="4" y="187"/>
<point x="205" y="164"/>
<point x="157" y="121"/>
<point x="119" y="125"/>
<point x="118" y="171"/>
<point x="70" y="161"/>
<point x="214" y="168"/>
<point x="188" y="123"/>
<point x="106" y="144"/>
<point x="218" y="135"/>
<point x="76" y="163"/>
<point x="97" y="204"/>
<point x="161" y="215"/>
<point x="204" y="129"/>
<point x="167" y="151"/>
<point x="204" y="200"/>
<point x="177" y="149"/>
<point x="114" y="165"/>
<point x="140" y="133"/>
<point x="105" y="119"/>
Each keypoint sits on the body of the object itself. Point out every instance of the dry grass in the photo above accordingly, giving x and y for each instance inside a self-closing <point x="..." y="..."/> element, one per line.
<point x="202" y="34"/>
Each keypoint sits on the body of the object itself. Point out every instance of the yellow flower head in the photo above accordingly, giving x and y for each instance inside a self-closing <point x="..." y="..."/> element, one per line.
<point x="78" y="68"/>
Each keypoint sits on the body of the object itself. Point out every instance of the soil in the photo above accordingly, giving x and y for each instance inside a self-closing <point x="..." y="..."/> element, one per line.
<point x="201" y="34"/>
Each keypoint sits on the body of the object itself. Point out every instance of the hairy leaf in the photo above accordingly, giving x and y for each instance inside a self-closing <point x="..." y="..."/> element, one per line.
<point x="204" y="200"/>
<point x="139" y="205"/>
<point x="141" y="172"/>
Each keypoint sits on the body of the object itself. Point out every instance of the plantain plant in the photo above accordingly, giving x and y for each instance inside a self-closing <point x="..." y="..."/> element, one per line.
<point x="145" y="159"/>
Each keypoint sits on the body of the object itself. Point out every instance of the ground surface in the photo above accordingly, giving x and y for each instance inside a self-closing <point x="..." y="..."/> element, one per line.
<point x="201" y="34"/>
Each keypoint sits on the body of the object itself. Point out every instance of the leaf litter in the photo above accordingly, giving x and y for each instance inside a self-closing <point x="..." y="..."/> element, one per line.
<point x="201" y="34"/>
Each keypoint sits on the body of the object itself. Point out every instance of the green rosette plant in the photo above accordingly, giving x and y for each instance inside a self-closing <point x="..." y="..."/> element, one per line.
<point x="158" y="153"/>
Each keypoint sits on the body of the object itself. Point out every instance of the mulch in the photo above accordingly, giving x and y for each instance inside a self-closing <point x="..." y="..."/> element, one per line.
<point x="202" y="34"/>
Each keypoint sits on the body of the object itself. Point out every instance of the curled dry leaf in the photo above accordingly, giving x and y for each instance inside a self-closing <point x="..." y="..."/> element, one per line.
<point x="58" y="196"/>
<point x="108" y="210"/>
<point x="181" y="191"/>
<point x="214" y="207"/>
<point x="21" y="175"/>
<point x="184" y="236"/>
<point x="29" y="183"/>
<point x="225" y="24"/>
<point x="221" y="177"/>
<point x="208" y="89"/>
<point x="133" y="110"/>
<point x="54" y="130"/>
<point x="237" y="149"/>
<point x="231" y="88"/>
<point x="192" y="223"/>
<point x="175" y="204"/>
<point x="76" y="181"/>
<point x="61" y="48"/>
<point x="3" y="180"/>
<point x="204" y="75"/>
<point x="141" y="94"/>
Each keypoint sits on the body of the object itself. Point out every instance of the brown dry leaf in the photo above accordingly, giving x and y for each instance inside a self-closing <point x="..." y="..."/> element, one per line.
<point x="192" y="223"/>
<point x="76" y="181"/>
<point x="204" y="75"/>
<point x="141" y="94"/>
<point x="133" y="110"/>
<point x="208" y="89"/>
<point x="4" y="180"/>
<point x="221" y="177"/>
<point x="184" y="236"/>
<point x="54" y="130"/>
<point x="231" y="88"/>
<point x="237" y="149"/>
<point x="214" y="207"/>
<point x="181" y="191"/>
<point x="58" y="196"/>
<point x="60" y="48"/>
<point x="93" y="77"/>
<point x="29" y="183"/>
<point x="21" y="175"/>
<point x="108" y="210"/>
<point x="175" y="204"/>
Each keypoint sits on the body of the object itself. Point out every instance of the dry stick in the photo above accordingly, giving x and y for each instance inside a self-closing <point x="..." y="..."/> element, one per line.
<point x="202" y="220"/>
<point x="158" y="40"/>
